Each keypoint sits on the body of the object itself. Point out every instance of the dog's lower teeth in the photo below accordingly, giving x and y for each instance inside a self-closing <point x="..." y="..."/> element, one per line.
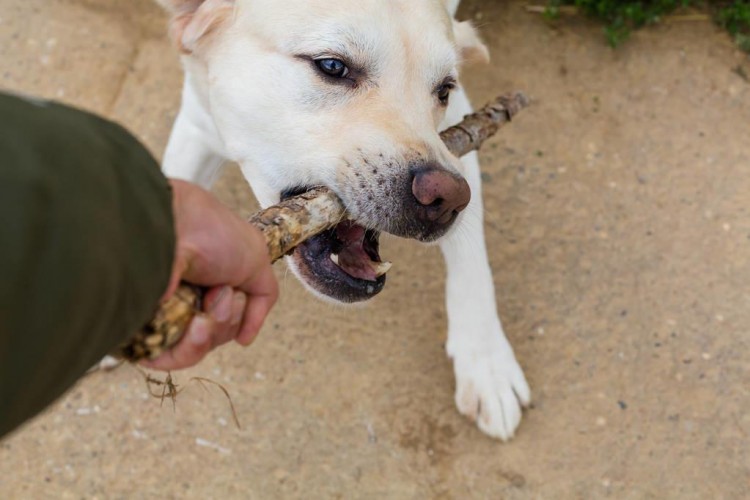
<point x="381" y="268"/>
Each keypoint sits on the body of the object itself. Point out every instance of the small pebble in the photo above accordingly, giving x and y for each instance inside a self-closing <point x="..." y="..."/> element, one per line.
<point x="138" y="434"/>
<point x="706" y="356"/>
<point x="87" y="411"/>
<point x="601" y="421"/>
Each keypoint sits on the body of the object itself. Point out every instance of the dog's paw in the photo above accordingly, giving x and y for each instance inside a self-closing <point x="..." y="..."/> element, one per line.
<point x="491" y="389"/>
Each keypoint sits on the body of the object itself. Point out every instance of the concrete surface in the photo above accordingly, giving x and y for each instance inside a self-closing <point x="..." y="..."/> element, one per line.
<point x="619" y="231"/>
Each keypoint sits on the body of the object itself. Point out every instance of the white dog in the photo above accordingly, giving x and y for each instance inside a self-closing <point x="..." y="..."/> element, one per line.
<point x="351" y="94"/>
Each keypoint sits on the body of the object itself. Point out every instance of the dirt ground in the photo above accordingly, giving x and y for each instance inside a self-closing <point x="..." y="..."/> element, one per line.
<point x="619" y="234"/>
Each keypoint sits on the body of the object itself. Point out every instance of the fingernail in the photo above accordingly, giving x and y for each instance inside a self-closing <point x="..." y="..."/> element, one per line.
<point x="238" y="308"/>
<point x="200" y="331"/>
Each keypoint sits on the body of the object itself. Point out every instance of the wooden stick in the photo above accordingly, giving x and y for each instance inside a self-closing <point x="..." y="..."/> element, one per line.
<point x="296" y="219"/>
<point x="477" y="127"/>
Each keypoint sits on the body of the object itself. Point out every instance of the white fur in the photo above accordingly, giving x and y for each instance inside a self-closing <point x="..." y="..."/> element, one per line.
<point x="238" y="105"/>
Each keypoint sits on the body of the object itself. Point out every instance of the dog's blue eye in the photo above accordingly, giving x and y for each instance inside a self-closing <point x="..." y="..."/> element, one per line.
<point x="332" y="67"/>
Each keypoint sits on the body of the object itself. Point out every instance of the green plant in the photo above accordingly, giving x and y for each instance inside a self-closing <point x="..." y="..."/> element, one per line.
<point x="735" y="17"/>
<point x="622" y="16"/>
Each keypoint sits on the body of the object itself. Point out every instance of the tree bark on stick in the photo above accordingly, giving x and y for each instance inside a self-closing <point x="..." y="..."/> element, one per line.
<point x="292" y="221"/>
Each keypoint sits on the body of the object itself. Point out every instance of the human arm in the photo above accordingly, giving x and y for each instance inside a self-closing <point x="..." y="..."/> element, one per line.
<point x="90" y="238"/>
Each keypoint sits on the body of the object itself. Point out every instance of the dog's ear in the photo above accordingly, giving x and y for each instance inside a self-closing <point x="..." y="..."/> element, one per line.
<point x="194" y="20"/>
<point x="469" y="44"/>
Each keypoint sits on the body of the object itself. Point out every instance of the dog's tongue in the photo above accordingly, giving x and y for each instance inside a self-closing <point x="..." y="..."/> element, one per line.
<point x="352" y="258"/>
<point x="349" y="232"/>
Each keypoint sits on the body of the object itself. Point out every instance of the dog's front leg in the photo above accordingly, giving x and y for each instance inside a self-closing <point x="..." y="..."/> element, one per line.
<point x="194" y="152"/>
<point x="490" y="385"/>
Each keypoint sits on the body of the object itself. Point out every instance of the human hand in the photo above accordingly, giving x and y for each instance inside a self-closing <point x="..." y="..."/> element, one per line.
<point x="217" y="249"/>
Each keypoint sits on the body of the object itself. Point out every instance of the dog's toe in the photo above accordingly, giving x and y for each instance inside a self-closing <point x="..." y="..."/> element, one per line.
<point x="491" y="390"/>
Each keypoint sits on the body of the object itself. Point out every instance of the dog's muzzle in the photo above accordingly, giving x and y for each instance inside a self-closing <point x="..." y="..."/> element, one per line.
<point x="342" y="263"/>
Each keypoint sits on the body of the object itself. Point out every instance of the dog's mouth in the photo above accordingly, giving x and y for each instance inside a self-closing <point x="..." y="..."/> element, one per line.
<point x="343" y="262"/>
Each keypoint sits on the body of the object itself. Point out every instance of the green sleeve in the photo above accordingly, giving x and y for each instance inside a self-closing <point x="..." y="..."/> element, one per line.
<point x="86" y="247"/>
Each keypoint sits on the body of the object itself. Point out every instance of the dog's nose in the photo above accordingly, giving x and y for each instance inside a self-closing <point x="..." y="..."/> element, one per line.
<point x="441" y="194"/>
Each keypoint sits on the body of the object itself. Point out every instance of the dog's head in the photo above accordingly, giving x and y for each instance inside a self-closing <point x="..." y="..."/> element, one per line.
<point x="347" y="94"/>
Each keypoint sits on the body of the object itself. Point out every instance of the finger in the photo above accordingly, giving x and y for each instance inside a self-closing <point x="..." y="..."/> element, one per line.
<point x="239" y="301"/>
<point x="218" y="303"/>
<point x="179" y="268"/>
<point x="192" y="348"/>
<point x="255" y="315"/>
<point x="227" y="330"/>
<point x="262" y="292"/>
<point x="213" y="294"/>
<point x="256" y="312"/>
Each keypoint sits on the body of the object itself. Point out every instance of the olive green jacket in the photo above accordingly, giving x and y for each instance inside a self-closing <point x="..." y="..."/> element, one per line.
<point x="86" y="247"/>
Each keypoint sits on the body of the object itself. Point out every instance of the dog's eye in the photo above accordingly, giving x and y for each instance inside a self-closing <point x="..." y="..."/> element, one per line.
<point x="332" y="67"/>
<point x="444" y="92"/>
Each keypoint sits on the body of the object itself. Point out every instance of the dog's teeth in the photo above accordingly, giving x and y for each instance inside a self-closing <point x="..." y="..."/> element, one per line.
<point x="335" y="258"/>
<point x="381" y="268"/>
